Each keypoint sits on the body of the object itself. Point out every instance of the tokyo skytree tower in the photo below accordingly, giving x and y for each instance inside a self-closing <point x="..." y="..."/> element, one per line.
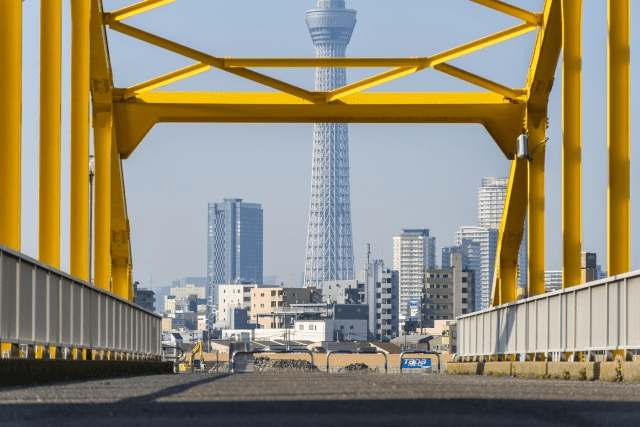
<point x="330" y="243"/>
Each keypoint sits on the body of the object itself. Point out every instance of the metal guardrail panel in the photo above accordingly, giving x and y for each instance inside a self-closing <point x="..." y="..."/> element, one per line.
<point x="43" y="306"/>
<point x="25" y="301"/>
<point x="40" y="305"/>
<point x="632" y="305"/>
<point x="597" y="316"/>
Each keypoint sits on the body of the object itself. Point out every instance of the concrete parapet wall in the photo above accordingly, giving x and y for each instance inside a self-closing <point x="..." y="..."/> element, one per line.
<point x="584" y="371"/>
<point x="33" y="371"/>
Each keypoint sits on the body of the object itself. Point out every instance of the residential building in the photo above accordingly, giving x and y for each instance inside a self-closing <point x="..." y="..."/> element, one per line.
<point x="143" y="297"/>
<point x="265" y="301"/>
<point x="187" y="290"/>
<point x="448" y="293"/>
<point x="381" y="292"/>
<point x="235" y="244"/>
<point x="413" y="252"/>
<point x="589" y="267"/>
<point x="552" y="280"/>
<point x="491" y="198"/>
<point x="481" y="259"/>
<point x="234" y="295"/>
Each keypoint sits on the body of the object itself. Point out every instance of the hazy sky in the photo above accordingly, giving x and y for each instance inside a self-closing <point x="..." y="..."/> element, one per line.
<point x="402" y="176"/>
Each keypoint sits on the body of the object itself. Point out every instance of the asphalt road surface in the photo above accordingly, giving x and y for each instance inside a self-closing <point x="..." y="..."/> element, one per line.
<point x="320" y="399"/>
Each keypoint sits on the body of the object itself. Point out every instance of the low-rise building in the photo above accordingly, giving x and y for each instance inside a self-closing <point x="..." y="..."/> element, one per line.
<point x="265" y="301"/>
<point x="234" y="295"/>
<point x="188" y="289"/>
<point x="448" y="293"/>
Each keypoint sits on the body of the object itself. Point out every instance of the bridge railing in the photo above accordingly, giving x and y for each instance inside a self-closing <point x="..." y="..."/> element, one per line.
<point x="597" y="317"/>
<point x="46" y="313"/>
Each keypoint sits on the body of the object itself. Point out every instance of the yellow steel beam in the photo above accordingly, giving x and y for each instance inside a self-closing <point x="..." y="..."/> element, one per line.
<point x="120" y="246"/>
<point x="50" y="144"/>
<point x="135" y="9"/>
<point x="101" y="98"/>
<point x="324" y="62"/>
<point x="572" y="143"/>
<point x="536" y="219"/>
<point x="210" y="60"/>
<point x="431" y="61"/>
<point x="167" y="79"/>
<point x="516" y="12"/>
<point x="619" y="193"/>
<point x="103" y="134"/>
<point x="480" y="81"/>
<point x="505" y="278"/>
<point x="544" y="61"/>
<point x="539" y="83"/>
<point x="10" y="121"/>
<point x="79" y="211"/>
<point x="500" y="116"/>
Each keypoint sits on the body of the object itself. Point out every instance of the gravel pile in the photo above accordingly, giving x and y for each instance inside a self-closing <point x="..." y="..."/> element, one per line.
<point x="265" y="364"/>
<point x="355" y="367"/>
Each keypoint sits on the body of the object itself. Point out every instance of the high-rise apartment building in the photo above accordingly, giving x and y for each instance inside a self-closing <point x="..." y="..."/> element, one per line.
<point x="235" y="242"/>
<point x="329" y="241"/>
<point x="481" y="255"/>
<point x="491" y="198"/>
<point x="414" y="251"/>
<point x="552" y="280"/>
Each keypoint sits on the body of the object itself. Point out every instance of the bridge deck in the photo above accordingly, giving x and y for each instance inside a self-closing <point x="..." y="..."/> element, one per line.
<point x="323" y="400"/>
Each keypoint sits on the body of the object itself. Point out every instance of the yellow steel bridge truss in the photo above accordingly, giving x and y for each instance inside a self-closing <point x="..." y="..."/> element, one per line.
<point x="122" y="117"/>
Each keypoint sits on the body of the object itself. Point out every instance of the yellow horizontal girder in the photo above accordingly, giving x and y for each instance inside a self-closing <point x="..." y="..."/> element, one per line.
<point x="501" y="116"/>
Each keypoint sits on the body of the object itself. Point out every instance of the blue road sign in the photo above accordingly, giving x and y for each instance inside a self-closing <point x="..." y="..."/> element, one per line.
<point x="416" y="363"/>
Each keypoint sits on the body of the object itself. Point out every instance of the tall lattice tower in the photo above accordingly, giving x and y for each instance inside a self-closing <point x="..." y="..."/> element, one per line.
<point x="330" y="243"/>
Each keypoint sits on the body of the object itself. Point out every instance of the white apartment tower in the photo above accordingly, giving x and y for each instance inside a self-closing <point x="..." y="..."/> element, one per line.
<point x="482" y="261"/>
<point x="414" y="251"/>
<point x="491" y="197"/>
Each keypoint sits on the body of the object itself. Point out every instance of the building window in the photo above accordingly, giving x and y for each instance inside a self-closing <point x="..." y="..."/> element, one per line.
<point x="341" y="327"/>
<point x="262" y="295"/>
<point x="464" y="300"/>
<point x="464" y="280"/>
<point x="273" y="293"/>
<point x="302" y="327"/>
<point x="261" y="305"/>
<point x="350" y="327"/>
<point x="464" y="290"/>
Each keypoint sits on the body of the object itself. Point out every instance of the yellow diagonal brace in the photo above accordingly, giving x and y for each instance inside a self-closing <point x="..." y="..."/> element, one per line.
<point x="431" y="61"/>
<point x="167" y="79"/>
<point x="210" y="60"/>
<point x="482" y="43"/>
<point x="479" y="81"/>
<point x="371" y="82"/>
<point x="516" y="12"/>
<point x="135" y="9"/>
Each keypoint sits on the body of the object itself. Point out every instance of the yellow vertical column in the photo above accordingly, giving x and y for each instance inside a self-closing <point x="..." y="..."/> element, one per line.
<point x="572" y="143"/>
<point x="50" y="110"/>
<point x="102" y="146"/>
<point x="79" y="212"/>
<point x="618" y="194"/>
<point x="10" y="121"/>
<point x="537" y="134"/>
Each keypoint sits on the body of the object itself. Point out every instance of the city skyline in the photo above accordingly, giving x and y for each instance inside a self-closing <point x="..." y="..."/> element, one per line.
<point x="402" y="176"/>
